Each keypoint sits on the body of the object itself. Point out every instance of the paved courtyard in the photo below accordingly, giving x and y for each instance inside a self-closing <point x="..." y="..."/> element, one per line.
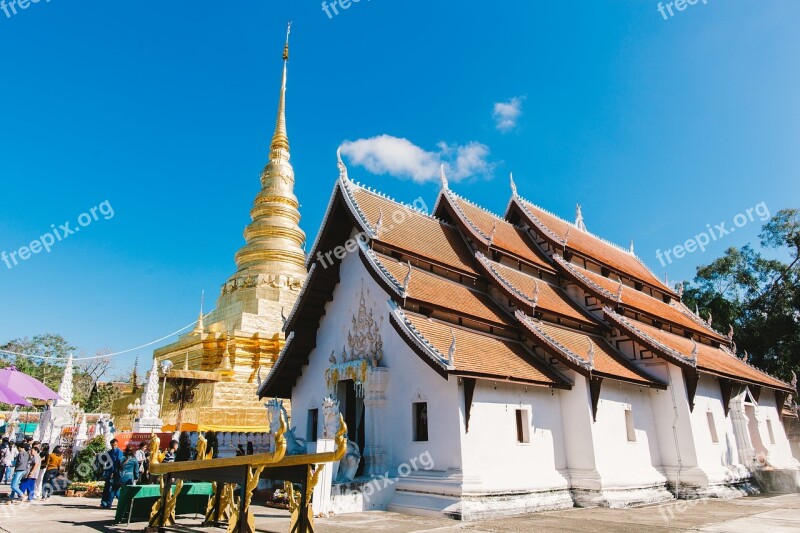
<point x="774" y="514"/>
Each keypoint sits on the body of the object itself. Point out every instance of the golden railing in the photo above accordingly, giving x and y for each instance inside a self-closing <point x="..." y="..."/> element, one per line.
<point x="223" y="506"/>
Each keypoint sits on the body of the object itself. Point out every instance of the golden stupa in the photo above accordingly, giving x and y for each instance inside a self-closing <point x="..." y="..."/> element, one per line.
<point x="243" y="336"/>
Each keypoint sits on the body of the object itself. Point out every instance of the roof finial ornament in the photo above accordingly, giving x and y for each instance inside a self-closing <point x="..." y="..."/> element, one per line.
<point x="535" y="299"/>
<point x="694" y="351"/>
<point x="710" y="319"/>
<point x="341" y="165"/>
<point x="619" y="290"/>
<point x="407" y="281"/>
<point x="443" y="177"/>
<point x="794" y="381"/>
<point x="491" y="235"/>
<point x="579" y="218"/>
<point x="630" y="250"/>
<point x="513" y="185"/>
<point x="379" y="223"/>
<point x="200" y="327"/>
<point x="666" y="279"/>
<point x="286" y="46"/>
<point x="280" y="141"/>
<point x="590" y="355"/>
<point x="452" y="351"/>
<point x="745" y="356"/>
<point x="730" y="332"/>
<point x="566" y="237"/>
<point x="696" y="310"/>
<point x="680" y="290"/>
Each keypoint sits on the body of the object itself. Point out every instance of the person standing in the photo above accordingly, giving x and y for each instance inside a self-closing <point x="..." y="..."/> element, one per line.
<point x="21" y="466"/>
<point x="37" y="490"/>
<point x="51" y="471"/>
<point x="8" y="461"/>
<point x="141" y="458"/>
<point x="129" y="469"/>
<point x="28" y="485"/>
<point x="3" y="453"/>
<point x="111" y="461"/>
<point x="170" y="456"/>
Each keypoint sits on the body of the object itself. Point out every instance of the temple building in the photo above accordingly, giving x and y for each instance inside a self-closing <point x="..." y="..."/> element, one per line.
<point x="241" y="338"/>
<point x="490" y="365"/>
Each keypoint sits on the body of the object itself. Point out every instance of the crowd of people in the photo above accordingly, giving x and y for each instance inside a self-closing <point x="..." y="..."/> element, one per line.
<point x="129" y="467"/>
<point x="30" y="467"/>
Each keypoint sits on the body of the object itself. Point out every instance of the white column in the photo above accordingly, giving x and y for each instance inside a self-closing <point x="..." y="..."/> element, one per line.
<point x="375" y="455"/>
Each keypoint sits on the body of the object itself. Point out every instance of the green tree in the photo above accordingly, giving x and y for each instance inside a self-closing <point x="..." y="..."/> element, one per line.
<point x="101" y="398"/>
<point x="83" y="468"/>
<point x="758" y="297"/>
<point x="48" y="371"/>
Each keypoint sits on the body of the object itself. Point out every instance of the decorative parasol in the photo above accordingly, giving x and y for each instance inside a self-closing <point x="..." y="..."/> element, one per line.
<point x="26" y="386"/>
<point x="10" y="397"/>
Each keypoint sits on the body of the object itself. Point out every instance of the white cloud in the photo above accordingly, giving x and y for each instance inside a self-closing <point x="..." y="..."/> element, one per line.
<point x="398" y="157"/>
<point x="505" y="114"/>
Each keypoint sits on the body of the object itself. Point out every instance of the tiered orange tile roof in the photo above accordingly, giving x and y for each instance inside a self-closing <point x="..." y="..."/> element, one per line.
<point x="639" y="301"/>
<point x="504" y="235"/>
<point x="709" y="358"/>
<point x="484" y="355"/>
<point x="555" y="229"/>
<point x="442" y="293"/>
<point x="576" y="345"/>
<point x="523" y="286"/>
<point x="405" y="228"/>
<point x="451" y="278"/>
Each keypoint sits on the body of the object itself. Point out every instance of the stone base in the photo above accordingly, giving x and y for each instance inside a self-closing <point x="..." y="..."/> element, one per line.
<point x="619" y="498"/>
<point x="478" y="507"/>
<point x="361" y="495"/>
<point x="723" y="491"/>
<point x="778" y="481"/>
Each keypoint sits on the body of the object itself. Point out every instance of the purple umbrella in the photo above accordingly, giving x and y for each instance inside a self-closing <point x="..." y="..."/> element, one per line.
<point x="10" y="397"/>
<point x="26" y="386"/>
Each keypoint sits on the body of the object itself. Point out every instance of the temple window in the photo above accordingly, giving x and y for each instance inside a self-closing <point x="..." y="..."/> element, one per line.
<point x="712" y="427"/>
<point x="313" y="424"/>
<point x="629" y="425"/>
<point x="523" y="434"/>
<point x="420" y="421"/>
<point x="771" y="433"/>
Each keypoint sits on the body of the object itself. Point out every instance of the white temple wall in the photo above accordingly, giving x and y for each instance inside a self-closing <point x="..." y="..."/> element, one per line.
<point x="717" y="452"/>
<point x="579" y="445"/>
<point x="777" y="444"/>
<point x="621" y="462"/>
<point x="674" y="429"/>
<point x="494" y="461"/>
<point x="410" y="378"/>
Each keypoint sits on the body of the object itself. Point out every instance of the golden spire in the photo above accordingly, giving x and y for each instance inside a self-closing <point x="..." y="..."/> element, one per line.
<point x="274" y="238"/>
<point x="280" y="139"/>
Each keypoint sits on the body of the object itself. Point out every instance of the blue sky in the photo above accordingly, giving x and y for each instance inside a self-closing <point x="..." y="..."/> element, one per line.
<point x="164" y="110"/>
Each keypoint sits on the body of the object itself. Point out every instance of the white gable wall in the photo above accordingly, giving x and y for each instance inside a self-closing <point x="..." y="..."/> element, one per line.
<point x="493" y="459"/>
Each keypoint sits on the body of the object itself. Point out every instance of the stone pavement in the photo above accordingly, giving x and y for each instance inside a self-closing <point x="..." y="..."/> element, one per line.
<point x="754" y="514"/>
